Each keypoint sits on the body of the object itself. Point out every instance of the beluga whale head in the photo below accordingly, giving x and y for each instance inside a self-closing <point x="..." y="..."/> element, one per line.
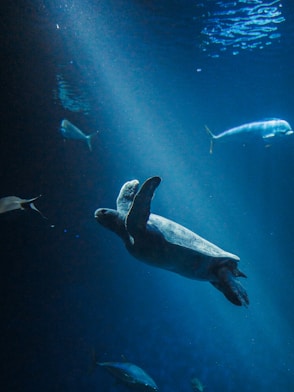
<point x="275" y="127"/>
<point x="283" y="128"/>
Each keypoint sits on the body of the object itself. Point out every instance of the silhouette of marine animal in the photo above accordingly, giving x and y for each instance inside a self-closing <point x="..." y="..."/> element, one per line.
<point x="131" y="375"/>
<point x="11" y="203"/>
<point x="197" y="385"/>
<point x="165" y="244"/>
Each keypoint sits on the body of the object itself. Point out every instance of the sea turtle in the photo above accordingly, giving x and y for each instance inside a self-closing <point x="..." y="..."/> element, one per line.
<point x="165" y="244"/>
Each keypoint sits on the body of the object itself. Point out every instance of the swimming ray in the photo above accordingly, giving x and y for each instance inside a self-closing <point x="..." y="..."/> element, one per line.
<point x="12" y="203"/>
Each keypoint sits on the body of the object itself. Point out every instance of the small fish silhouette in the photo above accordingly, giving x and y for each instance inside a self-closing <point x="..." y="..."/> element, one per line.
<point x="70" y="131"/>
<point x="197" y="385"/>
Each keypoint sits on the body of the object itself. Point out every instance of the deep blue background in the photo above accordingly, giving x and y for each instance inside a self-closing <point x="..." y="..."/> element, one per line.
<point x="70" y="289"/>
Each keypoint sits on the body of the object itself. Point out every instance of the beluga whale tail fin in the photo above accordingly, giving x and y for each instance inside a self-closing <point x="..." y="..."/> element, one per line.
<point x="212" y="137"/>
<point x="89" y="139"/>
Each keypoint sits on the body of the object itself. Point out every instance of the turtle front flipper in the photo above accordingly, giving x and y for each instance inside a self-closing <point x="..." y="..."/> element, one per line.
<point x="231" y="287"/>
<point x="140" y="210"/>
<point x="126" y="196"/>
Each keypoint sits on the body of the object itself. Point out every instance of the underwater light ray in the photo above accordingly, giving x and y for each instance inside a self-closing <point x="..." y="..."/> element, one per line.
<point x="144" y="125"/>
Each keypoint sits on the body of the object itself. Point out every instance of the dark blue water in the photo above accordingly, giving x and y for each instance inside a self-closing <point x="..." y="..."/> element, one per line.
<point x="149" y="76"/>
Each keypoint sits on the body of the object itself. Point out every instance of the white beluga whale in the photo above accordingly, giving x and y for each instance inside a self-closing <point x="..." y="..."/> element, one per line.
<point x="131" y="375"/>
<point x="165" y="244"/>
<point x="70" y="131"/>
<point x="267" y="130"/>
<point x="12" y="203"/>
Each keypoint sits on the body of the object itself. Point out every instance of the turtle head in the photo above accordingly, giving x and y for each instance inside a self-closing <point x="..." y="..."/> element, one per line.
<point x="112" y="220"/>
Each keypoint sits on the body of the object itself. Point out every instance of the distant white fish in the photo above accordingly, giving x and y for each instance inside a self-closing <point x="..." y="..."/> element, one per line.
<point x="70" y="131"/>
<point x="11" y="203"/>
<point x="266" y="129"/>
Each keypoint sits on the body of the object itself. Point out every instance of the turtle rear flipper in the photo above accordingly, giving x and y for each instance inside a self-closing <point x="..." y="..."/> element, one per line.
<point x="231" y="288"/>
<point x="140" y="210"/>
